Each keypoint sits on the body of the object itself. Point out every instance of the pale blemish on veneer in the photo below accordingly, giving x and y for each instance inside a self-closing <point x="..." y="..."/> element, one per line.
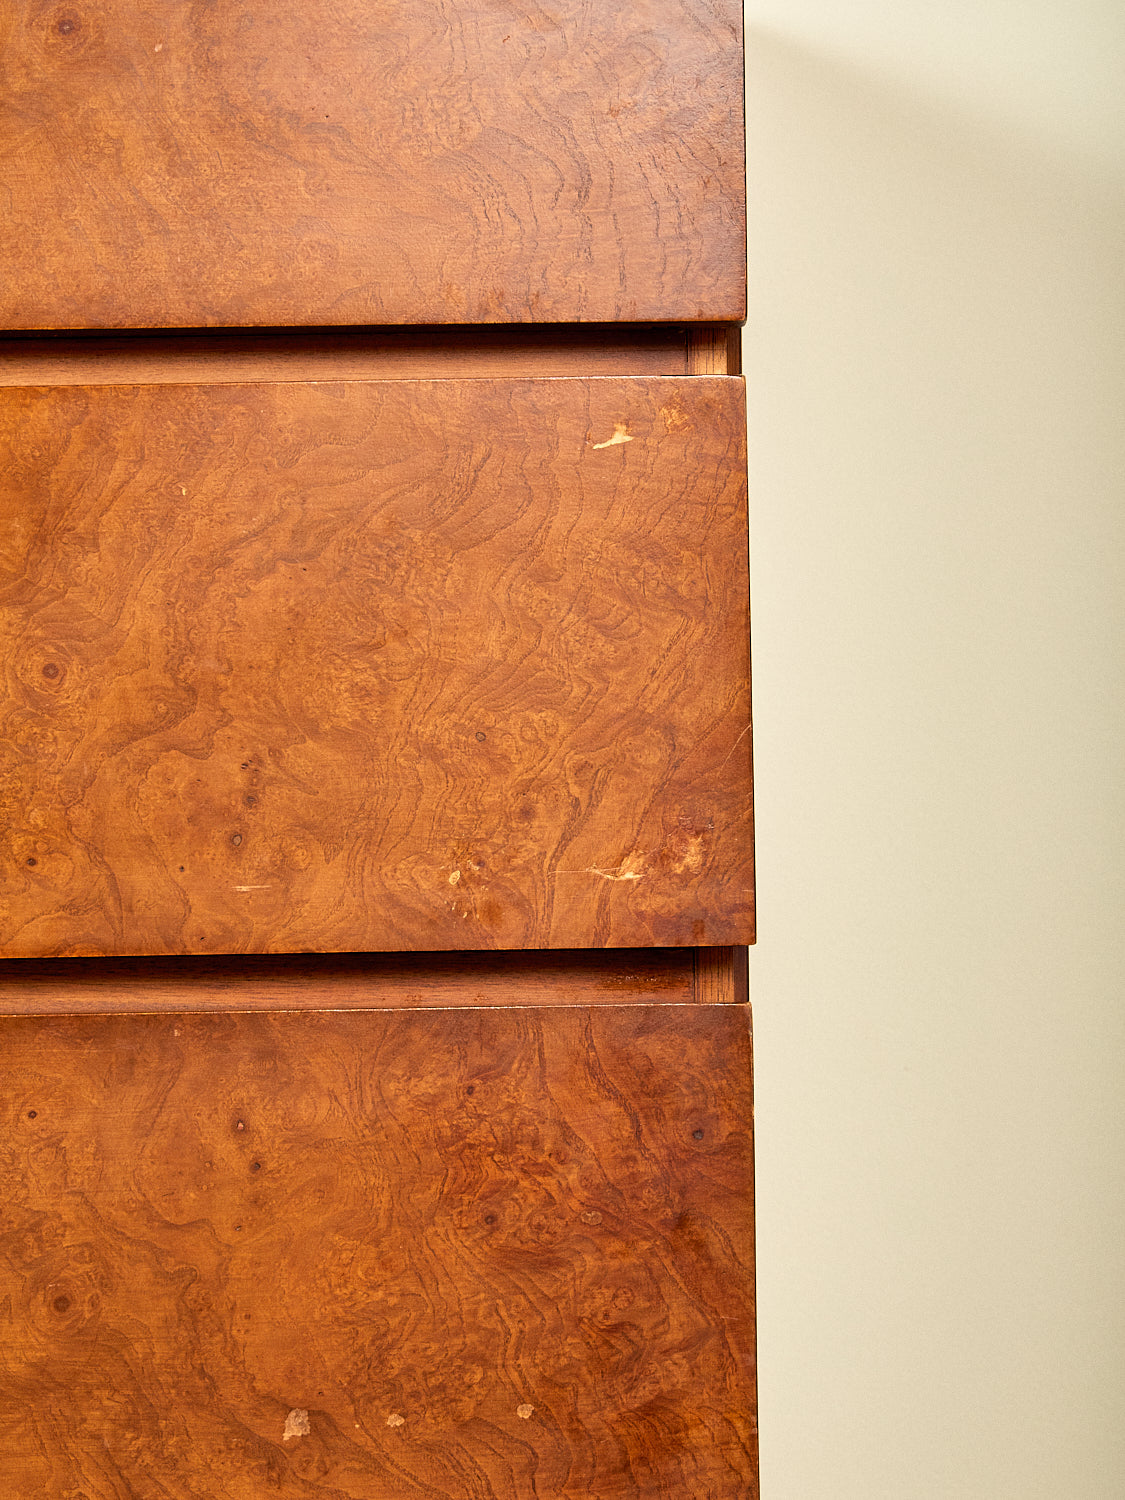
<point x="620" y="435"/>
<point x="691" y="860"/>
<point x="632" y="867"/>
<point x="296" y="1424"/>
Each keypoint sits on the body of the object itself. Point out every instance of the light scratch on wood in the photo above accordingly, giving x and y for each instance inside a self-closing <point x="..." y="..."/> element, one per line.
<point x="632" y="867"/>
<point x="734" y="747"/>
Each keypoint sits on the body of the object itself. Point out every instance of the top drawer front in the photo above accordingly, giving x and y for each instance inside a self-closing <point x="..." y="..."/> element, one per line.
<point x="403" y="665"/>
<point x="370" y="161"/>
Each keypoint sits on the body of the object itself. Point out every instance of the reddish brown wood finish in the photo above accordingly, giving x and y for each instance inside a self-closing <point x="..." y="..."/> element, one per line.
<point x="722" y="976"/>
<point x="364" y="981"/>
<point x="410" y="665"/>
<point x="369" y="161"/>
<point x="371" y="354"/>
<point x="714" y="349"/>
<point x="474" y="1255"/>
<point x="461" y="665"/>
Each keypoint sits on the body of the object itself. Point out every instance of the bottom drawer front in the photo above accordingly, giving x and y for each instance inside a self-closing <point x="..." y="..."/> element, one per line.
<point x="471" y="1253"/>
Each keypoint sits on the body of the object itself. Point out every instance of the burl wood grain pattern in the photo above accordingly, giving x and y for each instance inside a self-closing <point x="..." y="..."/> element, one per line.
<point x="409" y="665"/>
<point x="369" y="161"/>
<point x="482" y="1255"/>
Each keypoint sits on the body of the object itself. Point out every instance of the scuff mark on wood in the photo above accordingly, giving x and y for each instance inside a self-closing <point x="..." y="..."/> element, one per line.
<point x="620" y="435"/>
<point x="691" y="857"/>
<point x="632" y="867"/>
<point x="296" y="1424"/>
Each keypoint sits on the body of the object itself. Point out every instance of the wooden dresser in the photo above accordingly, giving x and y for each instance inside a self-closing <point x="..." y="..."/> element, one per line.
<point x="375" y="759"/>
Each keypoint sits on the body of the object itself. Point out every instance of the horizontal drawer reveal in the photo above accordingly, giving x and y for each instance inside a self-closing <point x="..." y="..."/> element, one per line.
<point x="359" y="981"/>
<point x="451" y="664"/>
<point x="369" y="354"/>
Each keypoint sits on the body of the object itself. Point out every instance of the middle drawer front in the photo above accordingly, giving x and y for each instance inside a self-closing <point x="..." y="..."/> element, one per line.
<point x="375" y="665"/>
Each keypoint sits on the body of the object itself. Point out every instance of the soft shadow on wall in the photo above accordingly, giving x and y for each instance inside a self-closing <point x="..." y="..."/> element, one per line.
<point x="936" y="365"/>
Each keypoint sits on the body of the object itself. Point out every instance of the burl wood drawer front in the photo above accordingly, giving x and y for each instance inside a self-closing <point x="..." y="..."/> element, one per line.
<point x="405" y="665"/>
<point x="469" y="1254"/>
<point x="370" y="161"/>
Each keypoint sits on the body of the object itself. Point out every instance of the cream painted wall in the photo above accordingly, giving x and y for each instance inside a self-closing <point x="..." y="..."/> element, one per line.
<point x="936" y="365"/>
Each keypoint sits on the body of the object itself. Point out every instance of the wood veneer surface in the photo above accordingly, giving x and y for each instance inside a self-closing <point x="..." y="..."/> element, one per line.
<point x="370" y="161"/>
<point x="474" y="1254"/>
<point x="402" y="665"/>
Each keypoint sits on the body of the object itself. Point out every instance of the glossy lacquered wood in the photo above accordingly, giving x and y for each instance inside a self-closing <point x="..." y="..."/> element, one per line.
<point x="411" y="665"/>
<point x="469" y="1254"/>
<point x="370" y="161"/>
